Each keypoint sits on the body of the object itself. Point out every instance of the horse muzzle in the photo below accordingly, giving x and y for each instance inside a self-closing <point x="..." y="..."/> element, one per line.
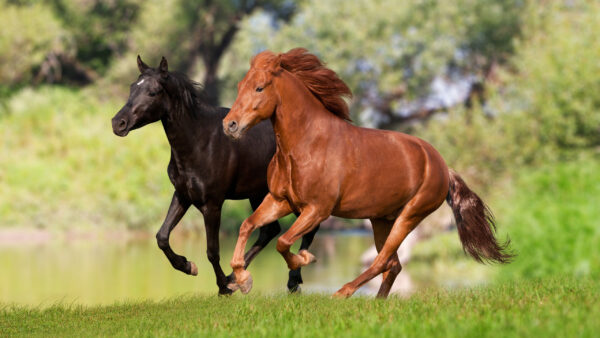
<point x="120" y="126"/>
<point x="233" y="130"/>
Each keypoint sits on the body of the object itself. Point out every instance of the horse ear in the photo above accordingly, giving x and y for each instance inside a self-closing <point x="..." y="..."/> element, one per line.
<point x="141" y="65"/>
<point x="163" y="67"/>
<point x="276" y="66"/>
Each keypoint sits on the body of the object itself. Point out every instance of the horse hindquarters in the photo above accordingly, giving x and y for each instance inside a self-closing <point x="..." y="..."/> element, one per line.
<point x="429" y="196"/>
<point x="408" y="219"/>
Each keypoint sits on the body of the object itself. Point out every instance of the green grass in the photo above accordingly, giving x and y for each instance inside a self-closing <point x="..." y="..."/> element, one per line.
<point x="550" y="307"/>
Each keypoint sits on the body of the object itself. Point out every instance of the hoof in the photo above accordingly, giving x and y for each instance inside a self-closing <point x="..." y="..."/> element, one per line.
<point x="233" y="287"/>
<point x="226" y="292"/>
<point x="193" y="269"/>
<point x="301" y="259"/>
<point x="243" y="282"/>
<point x="295" y="290"/>
<point x="308" y="257"/>
<point x="343" y="293"/>
<point x="246" y="285"/>
<point x="339" y="295"/>
<point x="231" y="284"/>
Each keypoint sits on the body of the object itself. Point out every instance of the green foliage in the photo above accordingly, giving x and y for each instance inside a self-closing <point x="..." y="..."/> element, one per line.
<point x="29" y="32"/>
<point x="100" y="29"/>
<point x="151" y="38"/>
<point x="67" y="169"/>
<point x="547" y="110"/>
<point x="380" y="47"/>
<point x="556" y="307"/>
<point x="475" y="146"/>
<point x="557" y="81"/>
<point x="553" y="219"/>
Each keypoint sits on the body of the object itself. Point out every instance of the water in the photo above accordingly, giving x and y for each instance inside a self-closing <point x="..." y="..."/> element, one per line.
<point x="104" y="271"/>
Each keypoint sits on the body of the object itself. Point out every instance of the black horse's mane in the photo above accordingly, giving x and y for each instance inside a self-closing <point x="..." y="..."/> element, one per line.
<point x="187" y="95"/>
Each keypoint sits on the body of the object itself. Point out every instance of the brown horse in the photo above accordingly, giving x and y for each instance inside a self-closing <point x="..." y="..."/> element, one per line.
<point x="325" y="166"/>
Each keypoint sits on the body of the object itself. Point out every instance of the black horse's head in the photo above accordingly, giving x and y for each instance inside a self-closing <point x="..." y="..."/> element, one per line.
<point x="147" y="101"/>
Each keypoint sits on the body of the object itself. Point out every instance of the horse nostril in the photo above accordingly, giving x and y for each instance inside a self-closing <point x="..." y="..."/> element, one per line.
<point x="233" y="126"/>
<point x="122" y="124"/>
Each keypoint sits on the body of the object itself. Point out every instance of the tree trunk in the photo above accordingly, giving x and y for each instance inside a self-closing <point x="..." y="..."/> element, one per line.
<point x="211" y="83"/>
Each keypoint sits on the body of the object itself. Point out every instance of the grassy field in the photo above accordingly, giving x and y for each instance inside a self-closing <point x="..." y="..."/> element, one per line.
<point x="550" y="307"/>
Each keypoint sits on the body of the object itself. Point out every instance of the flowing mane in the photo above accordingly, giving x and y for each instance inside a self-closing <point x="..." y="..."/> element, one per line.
<point x="320" y="80"/>
<point x="187" y="94"/>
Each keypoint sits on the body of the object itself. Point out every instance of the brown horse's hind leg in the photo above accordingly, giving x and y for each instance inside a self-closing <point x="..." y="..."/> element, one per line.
<point x="389" y="276"/>
<point x="307" y="221"/>
<point x="410" y="217"/>
<point x="381" y="230"/>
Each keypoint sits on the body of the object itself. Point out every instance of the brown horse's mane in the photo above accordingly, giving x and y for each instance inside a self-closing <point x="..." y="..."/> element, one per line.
<point x="323" y="82"/>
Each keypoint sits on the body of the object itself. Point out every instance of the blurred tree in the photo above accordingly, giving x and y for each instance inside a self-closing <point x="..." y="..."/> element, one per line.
<point x="29" y="33"/>
<point x="60" y="41"/>
<point x="391" y="52"/>
<point x="556" y="86"/>
<point x="547" y="106"/>
<point x="99" y="29"/>
<point x="207" y="28"/>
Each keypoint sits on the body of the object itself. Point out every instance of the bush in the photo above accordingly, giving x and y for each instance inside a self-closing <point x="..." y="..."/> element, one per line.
<point x="66" y="169"/>
<point x="553" y="219"/>
<point x="29" y="33"/>
<point x="546" y="110"/>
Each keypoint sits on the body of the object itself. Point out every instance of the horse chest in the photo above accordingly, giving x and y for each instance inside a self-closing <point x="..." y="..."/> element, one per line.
<point x="284" y="180"/>
<point x="191" y="187"/>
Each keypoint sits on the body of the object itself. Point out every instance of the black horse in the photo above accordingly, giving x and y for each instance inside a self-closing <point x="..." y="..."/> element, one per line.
<point x="206" y="167"/>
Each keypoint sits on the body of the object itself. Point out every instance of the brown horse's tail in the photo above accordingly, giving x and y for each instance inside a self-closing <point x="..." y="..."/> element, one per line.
<point x="475" y="223"/>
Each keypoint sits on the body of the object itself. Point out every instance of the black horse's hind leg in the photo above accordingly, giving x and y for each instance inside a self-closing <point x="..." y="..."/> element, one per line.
<point x="176" y="211"/>
<point x="212" y="223"/>
<point x="295" y="277"/>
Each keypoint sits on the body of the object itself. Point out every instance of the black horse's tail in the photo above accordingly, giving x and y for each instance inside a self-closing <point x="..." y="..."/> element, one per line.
<point x="475" y="223"/>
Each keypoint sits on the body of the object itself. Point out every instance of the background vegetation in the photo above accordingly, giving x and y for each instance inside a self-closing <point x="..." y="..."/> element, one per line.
<point x="506" y="90"/>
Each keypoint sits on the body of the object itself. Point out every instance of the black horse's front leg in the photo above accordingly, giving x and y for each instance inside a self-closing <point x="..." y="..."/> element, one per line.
<point x="212" y="223"/>
<point x="176" y="211"/>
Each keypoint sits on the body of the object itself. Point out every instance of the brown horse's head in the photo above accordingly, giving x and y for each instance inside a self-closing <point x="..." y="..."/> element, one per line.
<point x="146" y="102"/>
<point x="257" y="98"/>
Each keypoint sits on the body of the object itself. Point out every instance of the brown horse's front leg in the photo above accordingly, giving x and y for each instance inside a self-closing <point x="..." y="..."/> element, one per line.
<point x="269" y="210"/>
<point x="307" y="221"/>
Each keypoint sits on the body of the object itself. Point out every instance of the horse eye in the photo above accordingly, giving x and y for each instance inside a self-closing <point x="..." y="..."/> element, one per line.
<point x="259" y="89"/>
<point x="152" y="93"/>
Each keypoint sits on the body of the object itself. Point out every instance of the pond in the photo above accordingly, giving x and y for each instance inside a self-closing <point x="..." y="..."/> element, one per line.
<point x="103" y="271"/>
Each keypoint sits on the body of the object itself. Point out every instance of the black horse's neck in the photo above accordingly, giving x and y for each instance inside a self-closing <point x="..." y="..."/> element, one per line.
<point x="188" y="132"/>
<point x="188" y="122"/>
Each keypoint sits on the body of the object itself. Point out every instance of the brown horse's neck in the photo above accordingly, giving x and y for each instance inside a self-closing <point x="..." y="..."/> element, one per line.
<point x="299" y="116"/>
